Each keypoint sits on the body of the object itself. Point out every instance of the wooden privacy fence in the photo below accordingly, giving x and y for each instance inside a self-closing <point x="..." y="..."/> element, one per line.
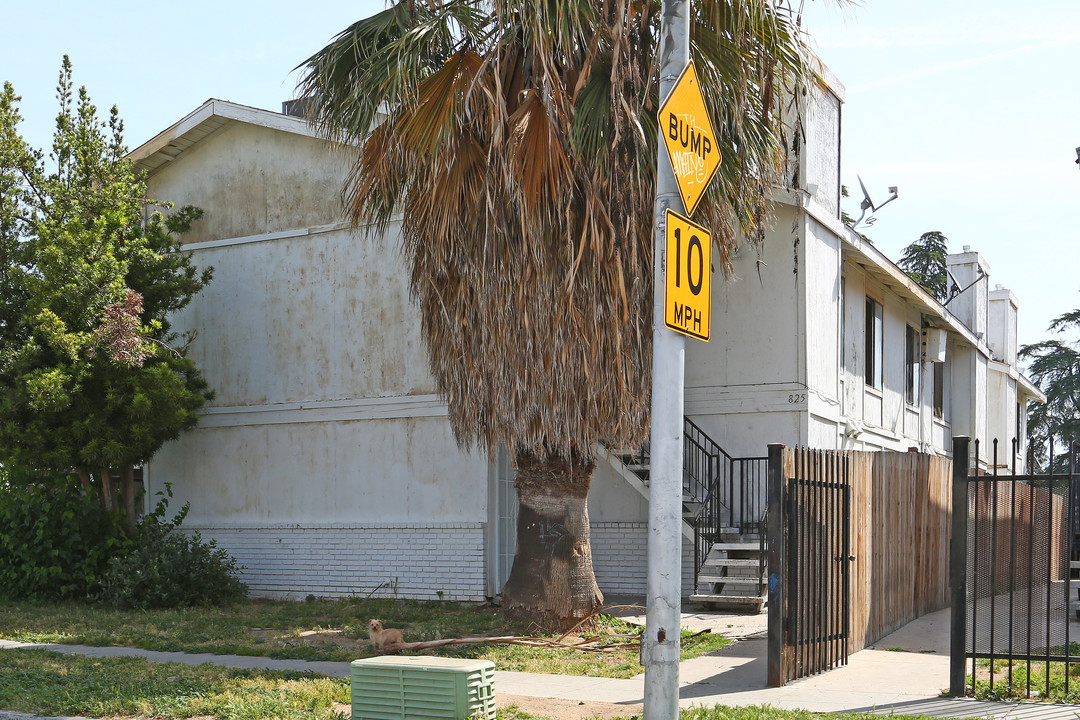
<point x="901" y="509"/>
<point x="897" y="524"/>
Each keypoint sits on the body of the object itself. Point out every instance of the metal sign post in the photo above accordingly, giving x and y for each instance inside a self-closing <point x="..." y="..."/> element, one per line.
<point x="661" y="643"/>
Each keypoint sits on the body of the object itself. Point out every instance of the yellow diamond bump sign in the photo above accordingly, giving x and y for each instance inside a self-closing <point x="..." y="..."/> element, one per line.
<point x="689" y="138"/>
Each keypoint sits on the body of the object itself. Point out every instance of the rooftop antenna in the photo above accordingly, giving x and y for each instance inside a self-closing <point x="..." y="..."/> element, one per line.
<point x="868" y="204"/>
<point x="954" y="284"/>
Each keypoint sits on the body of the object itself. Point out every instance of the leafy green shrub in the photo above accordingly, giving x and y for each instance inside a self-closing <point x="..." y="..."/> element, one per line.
<point x="167" y="568"/>
<point x="54" y="540"/>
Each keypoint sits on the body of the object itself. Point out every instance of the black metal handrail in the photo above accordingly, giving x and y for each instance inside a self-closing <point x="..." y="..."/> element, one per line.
<point x="730" y="490"/>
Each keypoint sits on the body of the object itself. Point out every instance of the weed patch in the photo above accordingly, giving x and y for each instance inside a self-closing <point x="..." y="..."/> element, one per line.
<point x="320" y="630"/>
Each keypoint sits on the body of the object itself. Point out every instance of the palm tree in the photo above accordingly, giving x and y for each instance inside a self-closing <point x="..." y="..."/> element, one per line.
<point x="515" y="142"/>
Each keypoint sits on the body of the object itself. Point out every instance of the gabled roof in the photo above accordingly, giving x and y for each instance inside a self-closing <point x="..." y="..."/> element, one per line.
<point x="204" y="121"/>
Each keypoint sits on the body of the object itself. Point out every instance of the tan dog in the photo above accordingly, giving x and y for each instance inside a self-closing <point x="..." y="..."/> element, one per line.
<point x="380" y="638"/>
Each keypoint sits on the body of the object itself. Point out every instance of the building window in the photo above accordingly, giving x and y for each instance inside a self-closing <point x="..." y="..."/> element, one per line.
<point x="913" y="357"/>
<point x="939" y="390"/>
<point x="1019" y="414"/>
<point x="874" y="342"/>
<point x="843" y="322"/>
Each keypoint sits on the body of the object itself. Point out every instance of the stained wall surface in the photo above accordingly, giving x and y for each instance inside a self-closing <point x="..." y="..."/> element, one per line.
<point x="325" y="421"/>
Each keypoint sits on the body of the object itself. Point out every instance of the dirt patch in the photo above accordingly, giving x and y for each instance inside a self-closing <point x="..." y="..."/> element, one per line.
<point x="326" y="638"/>
<point x="555" y="709"/>
<point x="549" y="708"/>
<point x="311" y="638"/>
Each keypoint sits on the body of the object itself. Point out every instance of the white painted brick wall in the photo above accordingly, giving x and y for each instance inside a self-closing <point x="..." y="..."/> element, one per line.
<point x="620" y="558"/>
<point x="408" y="560"/>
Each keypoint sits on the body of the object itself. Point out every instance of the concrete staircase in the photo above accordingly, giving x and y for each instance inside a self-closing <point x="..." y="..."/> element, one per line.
<point x="733" y="576"/>
<point x="635" y="472"/>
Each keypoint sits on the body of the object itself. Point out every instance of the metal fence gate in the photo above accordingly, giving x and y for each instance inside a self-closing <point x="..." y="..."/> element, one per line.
<point x="813" y="505"/>
<point x="1013" y="538"/>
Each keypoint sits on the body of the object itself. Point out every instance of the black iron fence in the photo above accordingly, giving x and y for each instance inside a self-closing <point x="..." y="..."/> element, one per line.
<point x="1013" y="539"/>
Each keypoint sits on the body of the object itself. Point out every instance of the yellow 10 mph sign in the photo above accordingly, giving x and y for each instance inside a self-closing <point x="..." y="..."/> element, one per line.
<point x="687" y="296"/>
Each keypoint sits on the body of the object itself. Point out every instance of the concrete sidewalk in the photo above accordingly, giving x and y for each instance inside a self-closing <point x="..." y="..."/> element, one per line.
<point x="905" y="673"/>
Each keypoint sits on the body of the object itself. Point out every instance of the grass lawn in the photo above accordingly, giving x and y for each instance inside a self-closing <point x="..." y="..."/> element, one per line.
<point x="320" y="630"/>
<point x="1002" y="689"/>
<point x="39" y="682"/>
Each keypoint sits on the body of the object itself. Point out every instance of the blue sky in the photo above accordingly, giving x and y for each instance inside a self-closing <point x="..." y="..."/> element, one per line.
<point x="972" y="110"/>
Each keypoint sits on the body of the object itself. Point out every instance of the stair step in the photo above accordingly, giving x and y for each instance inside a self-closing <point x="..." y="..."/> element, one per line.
<point x="732" y="579"/>
<point x="728" y="562"/>
<point x="731" y="601"/>
<point x="746" y="599"/>
<point x="737" y="546"/>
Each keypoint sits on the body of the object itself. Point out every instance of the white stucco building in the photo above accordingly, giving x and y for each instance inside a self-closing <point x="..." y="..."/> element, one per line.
<point x="325" y="463"/>
<point x="823" y="341"/>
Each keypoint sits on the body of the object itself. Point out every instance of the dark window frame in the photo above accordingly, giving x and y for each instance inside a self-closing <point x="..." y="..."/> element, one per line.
<point x="874" y="346"/>
<point x="939" y="390"/>
<point x="843" y="323"/>
<point x="912" y="365"/>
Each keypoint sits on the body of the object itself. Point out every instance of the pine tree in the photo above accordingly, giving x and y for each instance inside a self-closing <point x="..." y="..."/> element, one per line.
<point x="92" y="380"/>
<point x="924" y="262"/>
<point x="1055" y="366"/>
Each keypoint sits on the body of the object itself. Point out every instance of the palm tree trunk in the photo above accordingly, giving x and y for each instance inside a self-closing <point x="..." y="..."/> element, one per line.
<point x="552" y="579"/>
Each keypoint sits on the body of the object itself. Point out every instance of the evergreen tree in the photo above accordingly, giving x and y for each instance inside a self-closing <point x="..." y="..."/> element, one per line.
<point x="1055" y="366"/>
<point x="92" y="380"/>
<point x="924" y="262"/>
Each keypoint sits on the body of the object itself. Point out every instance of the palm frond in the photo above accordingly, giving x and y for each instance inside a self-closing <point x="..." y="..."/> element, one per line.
<point x="518" y="150"/>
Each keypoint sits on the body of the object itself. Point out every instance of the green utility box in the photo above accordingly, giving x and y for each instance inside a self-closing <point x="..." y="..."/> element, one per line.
<point x="422" y="688"/>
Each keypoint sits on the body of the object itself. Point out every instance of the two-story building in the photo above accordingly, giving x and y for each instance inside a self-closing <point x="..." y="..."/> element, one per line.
<point x="325" y="463"/>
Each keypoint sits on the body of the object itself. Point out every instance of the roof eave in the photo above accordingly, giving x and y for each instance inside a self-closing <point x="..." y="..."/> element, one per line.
<point x="205" y="120"/>
<point x="888" y="272"/>
<point x="1030" y="389"/>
